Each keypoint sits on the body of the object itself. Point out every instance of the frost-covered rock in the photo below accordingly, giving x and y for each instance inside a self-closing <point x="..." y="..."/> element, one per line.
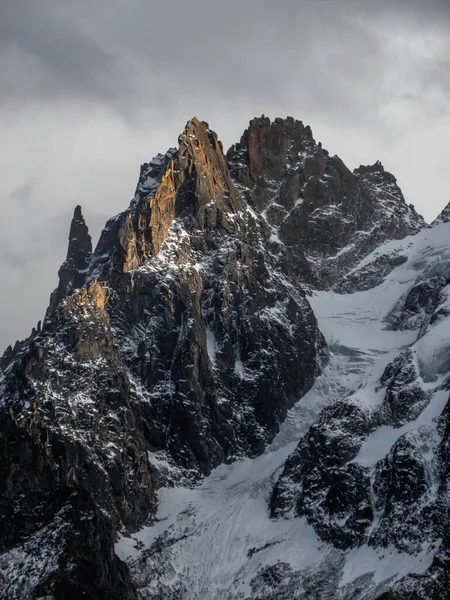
<point x="321" y="481"/>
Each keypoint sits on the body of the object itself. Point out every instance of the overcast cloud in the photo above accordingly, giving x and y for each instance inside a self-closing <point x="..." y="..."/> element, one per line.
<point x="91" y="89"/>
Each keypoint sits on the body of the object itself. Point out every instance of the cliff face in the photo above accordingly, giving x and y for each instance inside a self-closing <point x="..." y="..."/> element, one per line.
<point x="191" y="183"/>
<point x="323" y="218"/>
<point x="199" y="309"/>
<point x="181" y="342"/>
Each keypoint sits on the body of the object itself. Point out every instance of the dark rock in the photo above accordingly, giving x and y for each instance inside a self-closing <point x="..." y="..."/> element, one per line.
<point x="400" y="483"/>
<point x="72" y="272"/>
<point x="326" y="217"/>
<point x="340" y="497"/>
<point x="320" y="482"/>
<point x="369" y="275"/>
<point x="405" y="399"/>
<point x="420" y="303"/>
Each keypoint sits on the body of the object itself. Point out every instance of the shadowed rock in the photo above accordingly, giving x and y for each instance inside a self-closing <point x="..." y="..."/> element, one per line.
<point x="72" y="272"/>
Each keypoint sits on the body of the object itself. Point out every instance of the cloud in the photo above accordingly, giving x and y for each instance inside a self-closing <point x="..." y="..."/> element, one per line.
<point x="90" y="89"/>
<point x="46" y="58"/>
<point x="159" y="52"/>
<point x="332" y="59"/>
<point x="23" y="193"/>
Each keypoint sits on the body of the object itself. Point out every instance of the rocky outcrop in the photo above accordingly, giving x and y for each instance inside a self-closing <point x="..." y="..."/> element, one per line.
<point x="74" y="463"/>
<point x="321" y="481"/>
<point x="418" y="308"/>
<point x="318" y="211"/>
<point x="191" y="182"/>
<point x="368" y="276"/>
<point x="349" y="502"/>
<point x="72" y="272"/>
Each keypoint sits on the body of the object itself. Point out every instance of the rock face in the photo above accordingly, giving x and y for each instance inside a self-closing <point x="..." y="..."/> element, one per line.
<point x="182" y="341"/>
<point x="74" y="463"/>
<point x="318" y="211"/>
<point x="191" y="183"/>
<point x="72" y="272"/>
<point x="348" y="503"/>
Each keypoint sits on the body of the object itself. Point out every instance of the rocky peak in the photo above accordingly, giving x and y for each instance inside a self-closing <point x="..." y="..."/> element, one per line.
<point x="377" y="167"/>
<point x="180" y="344"/>
<point x="80" y="242"/>
<point x="190" y="183"/>
<point x="443" y="217"/>
<point x="206" y="180"/>
<point x="318" y="211"/>
<point x="380" y="181"/>
<point x="267" y="149"/>
<point x="72" y="272"/>
<point x="180" y="335"/>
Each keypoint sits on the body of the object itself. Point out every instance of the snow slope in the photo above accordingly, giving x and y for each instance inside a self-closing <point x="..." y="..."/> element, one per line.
<point x="217" y="540"/>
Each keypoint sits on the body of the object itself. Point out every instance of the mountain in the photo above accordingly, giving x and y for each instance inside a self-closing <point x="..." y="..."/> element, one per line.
<point x="241" y="392"/>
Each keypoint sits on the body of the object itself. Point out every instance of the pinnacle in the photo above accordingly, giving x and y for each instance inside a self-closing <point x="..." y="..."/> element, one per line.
<point x="195" y="125"/>
<point x="377" y="167"/>
<point x="80" y="243"/>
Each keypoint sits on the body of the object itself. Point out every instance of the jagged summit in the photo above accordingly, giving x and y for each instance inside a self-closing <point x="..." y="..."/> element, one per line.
<point x="80" y="242"/>
<point x="376" y="177"/>
<point x="72" y="273"/>
<point x="267" y="147"/>
<point x="191" y="182"/>
<point x="376" y="167"/>
<point x="201" y="160"/>
<point x="318" y="211"/>
<point x="302" y="194"/>
<point x="180" y="334"/>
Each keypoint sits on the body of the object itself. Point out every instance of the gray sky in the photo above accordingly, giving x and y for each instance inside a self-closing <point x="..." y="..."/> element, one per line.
<point x="91" y="89"/>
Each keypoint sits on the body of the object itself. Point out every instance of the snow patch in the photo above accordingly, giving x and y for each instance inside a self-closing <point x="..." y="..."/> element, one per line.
<point x="211" y="346"/>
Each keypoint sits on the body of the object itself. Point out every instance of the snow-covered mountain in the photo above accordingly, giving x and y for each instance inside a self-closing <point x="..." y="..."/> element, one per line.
<point x="240" y="393"/>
